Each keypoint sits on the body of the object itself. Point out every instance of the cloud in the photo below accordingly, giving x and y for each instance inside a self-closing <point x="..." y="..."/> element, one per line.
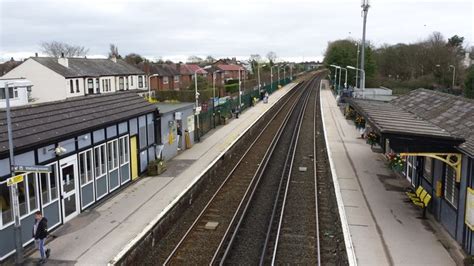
<point x="177" y="29"/>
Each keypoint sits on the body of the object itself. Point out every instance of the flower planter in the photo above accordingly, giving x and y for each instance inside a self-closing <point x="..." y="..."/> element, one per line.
<point x="156" y="168"/>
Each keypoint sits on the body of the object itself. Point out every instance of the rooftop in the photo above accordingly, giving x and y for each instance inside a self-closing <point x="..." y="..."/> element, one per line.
<point x="87" y="67"/>
<point x="173" y="107"/>
<point x="48" y="122"/>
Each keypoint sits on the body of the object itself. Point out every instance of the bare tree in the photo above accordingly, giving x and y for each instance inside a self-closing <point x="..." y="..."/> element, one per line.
<point x="114" y="51"/>
<point x="58" y="49"/>
<point x="194" y="59"/>
<point x="271" y="56"/>
<point x="210" y="59"/>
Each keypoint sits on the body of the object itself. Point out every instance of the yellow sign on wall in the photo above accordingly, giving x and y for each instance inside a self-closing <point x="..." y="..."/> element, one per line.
<point x="469" y="219"/>
<point x="14" y="180"/>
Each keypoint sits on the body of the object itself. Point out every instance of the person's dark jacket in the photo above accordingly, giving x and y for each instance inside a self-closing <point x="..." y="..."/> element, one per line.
<point x="42" y="229"/>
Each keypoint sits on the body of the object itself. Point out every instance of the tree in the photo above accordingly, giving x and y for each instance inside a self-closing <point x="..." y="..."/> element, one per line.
<point x="254" y="60"/>
<point x="271" y="56"/>
<point x="134" y="59"/>
<point x="469" y="83"/>
<point x="194" y="59"/>
<point x="58" y="49"/>
<point x="113" y="52"/>
<point x="209" y="59"/>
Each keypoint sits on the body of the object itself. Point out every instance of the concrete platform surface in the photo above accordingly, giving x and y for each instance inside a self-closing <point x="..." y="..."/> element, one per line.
<point x="97" y="235"/>
<point x="385" y="230"/>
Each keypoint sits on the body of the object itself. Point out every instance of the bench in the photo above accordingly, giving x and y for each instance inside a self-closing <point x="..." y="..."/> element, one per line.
<point x="420" y="198"/>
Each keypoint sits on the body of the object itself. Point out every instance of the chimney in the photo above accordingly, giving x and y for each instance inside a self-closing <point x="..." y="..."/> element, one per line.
<point x="63" y="60"/>
<point x="178" y="68"/>
<point x="114" y="59"/>
<point x="234" y="60"/>
<point x="36" y="54"/>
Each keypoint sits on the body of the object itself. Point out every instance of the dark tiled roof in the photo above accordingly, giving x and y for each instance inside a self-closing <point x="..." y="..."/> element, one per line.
<point x="48" y="122"/>
<point x="87" y="67"/>
<point x="389" y="118"/>
<point x="165" y="70"/>
<point x="230" y="67"/>
<point x="453" y="113"/>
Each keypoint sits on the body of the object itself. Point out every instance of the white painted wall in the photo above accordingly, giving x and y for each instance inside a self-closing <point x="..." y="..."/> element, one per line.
<point x="47" y="84"/>
<point x="21" y="100"/>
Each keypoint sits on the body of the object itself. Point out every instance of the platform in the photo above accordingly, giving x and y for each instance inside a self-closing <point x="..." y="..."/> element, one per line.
<point x="99" y="234"/>
<point x="385" y="230"/>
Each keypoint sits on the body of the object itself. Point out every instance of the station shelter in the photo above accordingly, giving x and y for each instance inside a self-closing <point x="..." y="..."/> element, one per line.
<point x="434" y="133"/>
<point x="94" y="145"/>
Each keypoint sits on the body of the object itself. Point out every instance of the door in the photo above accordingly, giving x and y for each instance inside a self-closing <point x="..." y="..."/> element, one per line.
<point x="411" y="169"/>
<point x="69" y="187"/>
<point x="134" y="157"/>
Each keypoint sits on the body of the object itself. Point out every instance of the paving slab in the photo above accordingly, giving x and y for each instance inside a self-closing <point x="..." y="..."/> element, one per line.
<point x="385" y="230"/>
<point x="98" y="234"/>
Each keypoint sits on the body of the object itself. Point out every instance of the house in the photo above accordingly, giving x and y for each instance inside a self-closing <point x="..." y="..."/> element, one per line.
<point x="66" y="77"/>
<point x="94" y="145"/>
<point x="187" y="72"/>
<point x="19" y="92"/>
<point x="8" y="65"/>
<point x="232" y="71"/>
<point x="164" y="77"/>
<point x="434" y="131"/>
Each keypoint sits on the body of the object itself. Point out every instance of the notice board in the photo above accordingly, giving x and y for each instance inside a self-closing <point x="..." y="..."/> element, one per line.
<point x="469" y="219"/>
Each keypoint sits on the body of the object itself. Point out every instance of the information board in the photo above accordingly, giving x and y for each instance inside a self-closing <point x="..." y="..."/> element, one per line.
<point x="469" y="220"/>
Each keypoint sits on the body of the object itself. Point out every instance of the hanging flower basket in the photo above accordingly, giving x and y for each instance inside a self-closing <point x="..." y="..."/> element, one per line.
<point x="372" y="138"/>
<point x="396" y="162"/>
<point x="350" y="113"/>
<point x="359" y="122"/>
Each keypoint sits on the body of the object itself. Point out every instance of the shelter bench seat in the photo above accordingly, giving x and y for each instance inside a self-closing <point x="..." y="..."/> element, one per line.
<point x="420" y="198"/>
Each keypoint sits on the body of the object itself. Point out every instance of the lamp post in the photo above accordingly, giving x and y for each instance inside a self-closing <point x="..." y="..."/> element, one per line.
<point x="240" y="90"/>
<point x="335" y="76"/>
<point x="214" y="97"/>
<point x="278" y="69"/>
<point x="196" y="93"/>
<point x="358" y="69"/>
<point x="365" y="9"/>
<point x="454" y="74"/>
<point x="14" y="187"/>
<point x="271" y="77"/>
<point x="345" y="79"/>
<point x="357" y="66"/>
<point x="149" y="84"/>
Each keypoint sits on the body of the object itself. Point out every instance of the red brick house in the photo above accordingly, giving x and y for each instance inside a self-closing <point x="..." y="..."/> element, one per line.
<point x="164" y="77"/>
<point x="232" y="71"/>
<point x="187" y="73"/>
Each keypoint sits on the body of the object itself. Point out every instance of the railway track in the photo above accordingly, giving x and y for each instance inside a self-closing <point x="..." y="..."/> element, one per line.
<point x="251" y="238"/>
<point x="201" y="240"/>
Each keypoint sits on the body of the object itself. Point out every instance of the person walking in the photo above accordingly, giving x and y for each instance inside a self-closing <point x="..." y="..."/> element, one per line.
<point x="40" y="232"/>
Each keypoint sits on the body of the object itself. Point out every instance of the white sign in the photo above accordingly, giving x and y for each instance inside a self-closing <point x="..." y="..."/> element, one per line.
<point x="191" y="123"/>
<point x="469" y="220"/>
<point x="178" y="115"/>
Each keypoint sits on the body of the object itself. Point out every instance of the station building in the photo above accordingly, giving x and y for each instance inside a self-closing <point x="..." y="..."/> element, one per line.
<point x="94" y="144"/>
<point x="434" y="131"/>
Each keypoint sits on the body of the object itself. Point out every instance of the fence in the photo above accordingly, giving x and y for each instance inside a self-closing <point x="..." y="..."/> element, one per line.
<point x="226" y="110"/>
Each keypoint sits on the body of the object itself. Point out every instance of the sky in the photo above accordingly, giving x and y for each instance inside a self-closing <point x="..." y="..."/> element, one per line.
<point x="295" y="30"/>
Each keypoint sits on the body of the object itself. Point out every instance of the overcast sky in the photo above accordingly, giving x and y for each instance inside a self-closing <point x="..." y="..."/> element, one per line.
<point x="176" y="29"/>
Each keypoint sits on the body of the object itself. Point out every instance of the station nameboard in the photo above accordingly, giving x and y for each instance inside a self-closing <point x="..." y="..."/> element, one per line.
<point x="31" y="168"/>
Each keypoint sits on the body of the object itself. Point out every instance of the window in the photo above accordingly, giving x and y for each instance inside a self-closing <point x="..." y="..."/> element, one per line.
<point x="146" y="82"/>
<point x="123" y="150"/>
<point x="428" y="169"/>
<point x="71" y="86"/>
<point x="126" y="82"/>
<point x="5" y="205"/>
<point x="131" y="80"/>
<point x="103" y="85"/>
<point x="27" y="194"/>
<point x="112" y="154"/>
<point x="77" y="85"/>
<point x="140" y="81"/>
<point x="110" y="85"/>
<point x="451" y="192"/>
<point x="165" y="80"/>
<point x="85" y="167"/>
<point x="176" y="78"/>
<point x="48" y="186"/>
<point x="100" y="161"/>
<point x="121" y="86"/>
<point x="97" y="84"/>
<point x="12" y="93"/>
<point x="90" y="85"/>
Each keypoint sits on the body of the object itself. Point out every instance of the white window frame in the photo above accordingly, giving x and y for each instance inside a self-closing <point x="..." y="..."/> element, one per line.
<point x="121" y="84"/>
<point x="90" y="85"/>
<point x="176" y="78"/>
<point x="11" y="211"/>
<point x="165" y="80"/>
<point x="82" y="185"/>
<point x="71" y="86"/>
<point x="453" y="201"/>
<point x="131" y="80"/>
<point x="103" y="169"/>
<point x="140" y="81"/>
<point x="115" y="160"/>
<point x="48" y="183"/>
<point x="26" y="179"/>
<point x="124" y="142"/>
